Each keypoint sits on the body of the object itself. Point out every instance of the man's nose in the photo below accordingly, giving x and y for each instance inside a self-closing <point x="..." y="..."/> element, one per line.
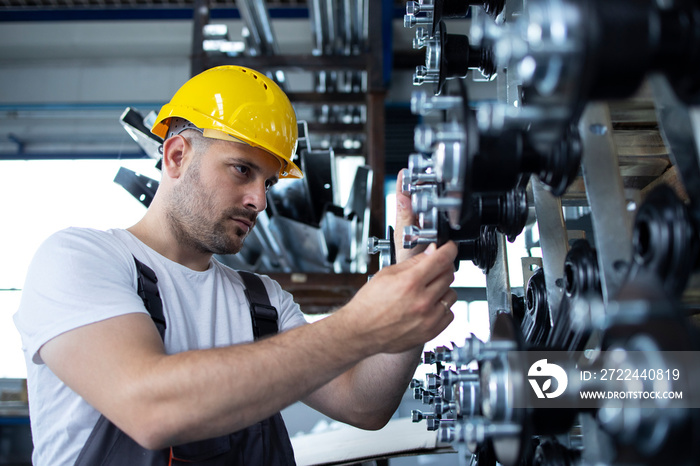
<point x="256" y="197"/>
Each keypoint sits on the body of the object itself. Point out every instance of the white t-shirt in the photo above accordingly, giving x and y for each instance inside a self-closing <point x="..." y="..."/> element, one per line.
<point x="82" y="276"/>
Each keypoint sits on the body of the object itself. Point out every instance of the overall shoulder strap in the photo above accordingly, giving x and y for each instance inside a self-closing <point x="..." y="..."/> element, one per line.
<point x="107" y="445"/>
<point x="148" y="290"/>
<point x="262" y="313"/>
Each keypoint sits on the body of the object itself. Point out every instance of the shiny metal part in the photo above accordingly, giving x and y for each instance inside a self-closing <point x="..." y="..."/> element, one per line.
<point x="443" y="407"/>
<point x="419" y="41"/>
<point x="433" y="419"/>
<point x="475" y="431"/>
<point x="427" y="137"/>
<point x="495" y="117"/>
<point x="433" y="381"/>
<point x="383" y="247"/>
<point x="612" y="221"/>
<point x="428" y="220"/>
<point x="274" y="256"/>
<point x="257" y="19"/>
<point x="358" y="208"/>
<point x="450" y="156"/>
<point x="450" y="377"/>
<point x="417" y="415"/>
<point x="216" y="39"/>
<point x="418" y="13"/>
<point x="467" y="397"/>
<point x="422" y="103"/>
<point x="138" y="128"/>
<point x="430" y="72"/>
<point x="554" y="243"/>
<point x="339" y="233"/>
<point x="498" y="291"/>
<point x="544" y="47"/>
<point x="447" y="143"/>
<point x="420" y="170"/>
<point x="475" y="350"/>
<point x="554" y="74"/>
<point x="502" y="389"/>
<point x="340" y="28"/>
<point x="425" y="199"/>
<point x="414" y="236"/>
<point x="425" y="74"/>
<point x="484" y="30"/>
<point x="259" y="34"/>
<point x="496" y="388"/>
<point x="308" y="242"/>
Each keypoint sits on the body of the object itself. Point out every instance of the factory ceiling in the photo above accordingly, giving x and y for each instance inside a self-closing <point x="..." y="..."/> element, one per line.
<point x="79" y="4"/>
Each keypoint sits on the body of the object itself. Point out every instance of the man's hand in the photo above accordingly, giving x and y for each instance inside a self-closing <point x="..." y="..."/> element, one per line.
<point x="394" y="314"/>
<point x="407" y="304"/>
<point x="404" y="217"/>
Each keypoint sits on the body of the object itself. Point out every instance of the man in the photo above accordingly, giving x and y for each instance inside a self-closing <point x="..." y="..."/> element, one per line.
<point x="95" y="357"/>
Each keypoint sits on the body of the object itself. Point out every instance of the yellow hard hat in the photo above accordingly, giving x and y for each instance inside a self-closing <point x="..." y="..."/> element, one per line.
<point x="237" y="104"/>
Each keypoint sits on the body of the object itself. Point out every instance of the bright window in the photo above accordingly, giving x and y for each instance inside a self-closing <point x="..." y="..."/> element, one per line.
<point x="41" y="197"/>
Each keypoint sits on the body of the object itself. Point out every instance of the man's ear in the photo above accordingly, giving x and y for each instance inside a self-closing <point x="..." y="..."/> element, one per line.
<point x="174" y="149"/>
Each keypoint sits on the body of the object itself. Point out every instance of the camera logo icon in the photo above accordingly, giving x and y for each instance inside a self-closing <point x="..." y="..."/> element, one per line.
<point x="546" y="372"/>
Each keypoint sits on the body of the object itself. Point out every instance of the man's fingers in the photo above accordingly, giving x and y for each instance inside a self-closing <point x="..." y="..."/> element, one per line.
<point x="405" y="217"/>
<point x="404" y="210"/>
<point x="446" y="316"/>
<point x="431" y="263"/>
<point x="449" y="298"/>
<point x="446" y="301"/>
<point x="435" y="261"/>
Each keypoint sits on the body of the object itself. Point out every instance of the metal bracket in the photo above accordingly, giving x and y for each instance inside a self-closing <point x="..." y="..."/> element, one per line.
<point x="498" y="292"/>
<point x="612" y="223"/>
<point x="141" y="187"/>
<point x="554" y="243"/>
<point x="680" y="129"/>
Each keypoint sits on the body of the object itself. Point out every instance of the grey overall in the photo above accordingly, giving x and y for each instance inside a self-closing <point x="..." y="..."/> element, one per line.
<point x="265" y="443"/>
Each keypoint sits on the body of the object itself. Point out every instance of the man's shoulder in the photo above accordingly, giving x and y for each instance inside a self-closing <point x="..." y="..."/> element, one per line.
<point x="82" y="234"/>
<point x="79" y="242"/>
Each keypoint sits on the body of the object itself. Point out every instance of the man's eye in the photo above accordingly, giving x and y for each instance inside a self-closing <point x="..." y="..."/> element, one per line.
<point x="243" y="169"/>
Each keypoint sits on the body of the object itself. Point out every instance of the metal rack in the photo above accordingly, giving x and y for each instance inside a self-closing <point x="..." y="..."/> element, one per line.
<point x="603" y="129"/>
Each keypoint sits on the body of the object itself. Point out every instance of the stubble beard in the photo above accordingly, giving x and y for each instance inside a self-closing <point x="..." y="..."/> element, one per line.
<point x="189" y="217"/>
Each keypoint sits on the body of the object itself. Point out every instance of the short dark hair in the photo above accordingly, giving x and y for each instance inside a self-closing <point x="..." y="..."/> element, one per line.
<point x="197" y="140"/>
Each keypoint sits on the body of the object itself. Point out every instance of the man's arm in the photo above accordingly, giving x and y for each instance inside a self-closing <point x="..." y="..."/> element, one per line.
<point x="368" y="395"/>
<point x="119" y="365"/>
